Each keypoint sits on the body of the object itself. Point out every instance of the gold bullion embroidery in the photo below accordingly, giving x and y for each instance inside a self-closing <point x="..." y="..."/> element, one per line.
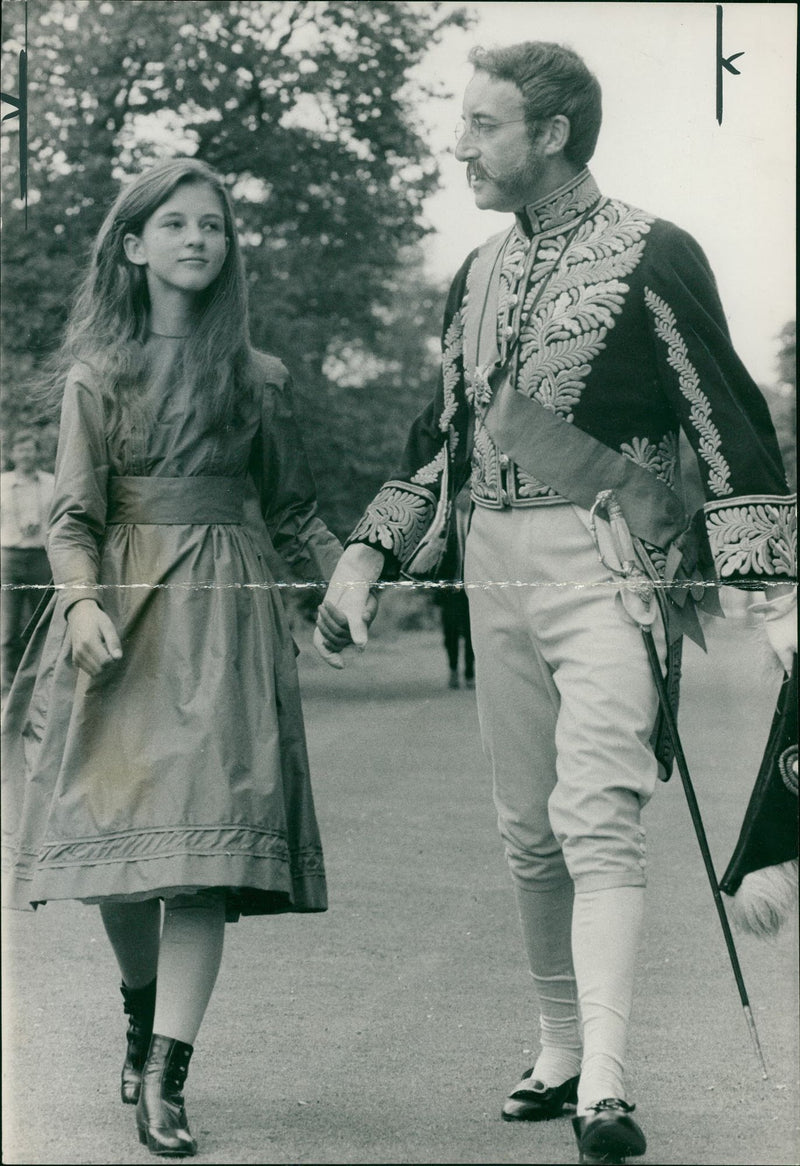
<point x="578" y="197"/>
<point x="754" y="536"/>
<point x="582" y="299"/>
<point x="397" y="518"/>
<point x="452" y="351"/>
<point x="689" y="382"/>
<point x="430" y="472"/>
<point x="485" y="474"/>
<point x="661" y="459"/>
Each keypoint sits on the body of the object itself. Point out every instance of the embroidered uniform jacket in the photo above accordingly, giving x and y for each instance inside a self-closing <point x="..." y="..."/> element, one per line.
<point x="614" y="322"/>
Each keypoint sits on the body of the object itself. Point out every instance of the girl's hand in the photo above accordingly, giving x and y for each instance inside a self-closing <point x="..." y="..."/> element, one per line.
<point x="95" y="643"/>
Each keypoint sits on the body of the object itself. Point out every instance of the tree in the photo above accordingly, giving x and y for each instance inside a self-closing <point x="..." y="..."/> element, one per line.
<point x="787" y="355"/>
<point x="382" y="385"/>
<point x="305" y="105"/>
<point x="783" y="399"/>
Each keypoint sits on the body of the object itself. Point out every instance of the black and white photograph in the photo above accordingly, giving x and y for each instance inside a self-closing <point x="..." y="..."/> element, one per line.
<point x="398" y="410"/>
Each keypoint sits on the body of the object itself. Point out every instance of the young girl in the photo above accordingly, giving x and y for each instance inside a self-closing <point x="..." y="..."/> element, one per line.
<point x="154" y="739"/>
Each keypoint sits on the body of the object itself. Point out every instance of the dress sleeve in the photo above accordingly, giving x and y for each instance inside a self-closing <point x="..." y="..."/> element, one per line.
<point x="750" y="515"/>
<point x="285" y="483"/>
<point x="436" y="460"/>
<point x="78" y="511"/>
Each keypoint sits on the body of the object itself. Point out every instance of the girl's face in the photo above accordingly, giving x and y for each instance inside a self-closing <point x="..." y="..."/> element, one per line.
<point x="182" y="246"/>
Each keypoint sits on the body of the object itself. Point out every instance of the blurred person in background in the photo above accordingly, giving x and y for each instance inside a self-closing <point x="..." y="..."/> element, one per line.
<point x="26" y="493"/>
<point x="450" y="597"/>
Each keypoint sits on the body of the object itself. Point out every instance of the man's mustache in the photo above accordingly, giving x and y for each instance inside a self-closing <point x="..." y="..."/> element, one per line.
<point x="474" y="170"/>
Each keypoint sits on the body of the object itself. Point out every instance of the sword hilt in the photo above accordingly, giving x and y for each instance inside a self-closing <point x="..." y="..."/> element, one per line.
<point x="622" y="540"/>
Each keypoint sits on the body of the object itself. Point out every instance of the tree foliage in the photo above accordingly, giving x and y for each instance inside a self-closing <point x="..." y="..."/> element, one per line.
<point x="308" y="108"/>
<point x="782" y="399"/>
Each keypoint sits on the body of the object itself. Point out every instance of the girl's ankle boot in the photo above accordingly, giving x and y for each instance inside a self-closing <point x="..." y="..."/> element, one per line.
<point x="160" y="1115"/>
<point x="140" y="1006"/>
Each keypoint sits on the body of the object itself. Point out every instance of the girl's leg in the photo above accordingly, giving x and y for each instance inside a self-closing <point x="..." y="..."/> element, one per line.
<point x="188" y="963"/>
<point x="133" y="930"/>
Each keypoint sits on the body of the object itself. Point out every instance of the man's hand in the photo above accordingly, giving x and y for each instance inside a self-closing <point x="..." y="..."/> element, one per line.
<point x="349" y="606"/>
<point x="94" y="639"/>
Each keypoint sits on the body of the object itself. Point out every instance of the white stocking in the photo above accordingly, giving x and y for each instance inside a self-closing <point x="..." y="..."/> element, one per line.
<point x="546" y="918"/>
<point x="605" y="937"/>
<point x="188" y="962"/>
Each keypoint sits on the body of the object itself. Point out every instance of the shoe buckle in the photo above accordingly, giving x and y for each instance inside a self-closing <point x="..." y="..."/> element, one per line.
<point x="612" y="1103"/>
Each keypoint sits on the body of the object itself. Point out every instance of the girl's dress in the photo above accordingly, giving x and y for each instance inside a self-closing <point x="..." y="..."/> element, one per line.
<point x="184" y="765"/>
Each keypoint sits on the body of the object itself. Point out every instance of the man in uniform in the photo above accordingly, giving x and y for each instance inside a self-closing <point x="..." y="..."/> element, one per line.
<point x="576" y="345"/>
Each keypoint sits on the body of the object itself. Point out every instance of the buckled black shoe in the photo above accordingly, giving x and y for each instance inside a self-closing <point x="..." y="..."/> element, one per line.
<point x="608" y="1133"/>
<point x="534" y="1101"/>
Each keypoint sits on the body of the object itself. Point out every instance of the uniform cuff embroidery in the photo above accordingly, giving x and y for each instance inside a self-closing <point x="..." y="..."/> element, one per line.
<point x="754" y="537"/>
<point x="396" y="519"/>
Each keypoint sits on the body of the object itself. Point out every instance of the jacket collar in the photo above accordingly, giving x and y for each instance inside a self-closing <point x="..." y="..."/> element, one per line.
<point x="560" y="207"/>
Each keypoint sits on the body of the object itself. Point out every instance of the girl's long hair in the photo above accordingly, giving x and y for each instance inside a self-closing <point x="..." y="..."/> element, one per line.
<point x="108" y="323"/>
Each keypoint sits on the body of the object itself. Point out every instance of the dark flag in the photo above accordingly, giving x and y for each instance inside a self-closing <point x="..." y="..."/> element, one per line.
<point x="762" y="874"/>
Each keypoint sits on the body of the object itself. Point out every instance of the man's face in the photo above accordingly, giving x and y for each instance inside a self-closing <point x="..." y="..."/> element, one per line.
<point x="23" y="455"/>
<point x="504" y="168"/>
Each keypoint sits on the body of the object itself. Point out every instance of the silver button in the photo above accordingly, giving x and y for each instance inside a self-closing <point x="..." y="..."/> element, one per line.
<point x="518" y="272"/>
<point x="513" y="300"/>
<point x="504" y="461"/>
<point x="508" y="330"/>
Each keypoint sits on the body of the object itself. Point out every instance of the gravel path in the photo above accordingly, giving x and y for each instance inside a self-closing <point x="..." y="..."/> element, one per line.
<point x="390" y="1029"/>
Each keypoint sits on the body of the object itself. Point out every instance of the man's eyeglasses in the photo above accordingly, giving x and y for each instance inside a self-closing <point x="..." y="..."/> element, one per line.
<point x="481" y="129"/>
